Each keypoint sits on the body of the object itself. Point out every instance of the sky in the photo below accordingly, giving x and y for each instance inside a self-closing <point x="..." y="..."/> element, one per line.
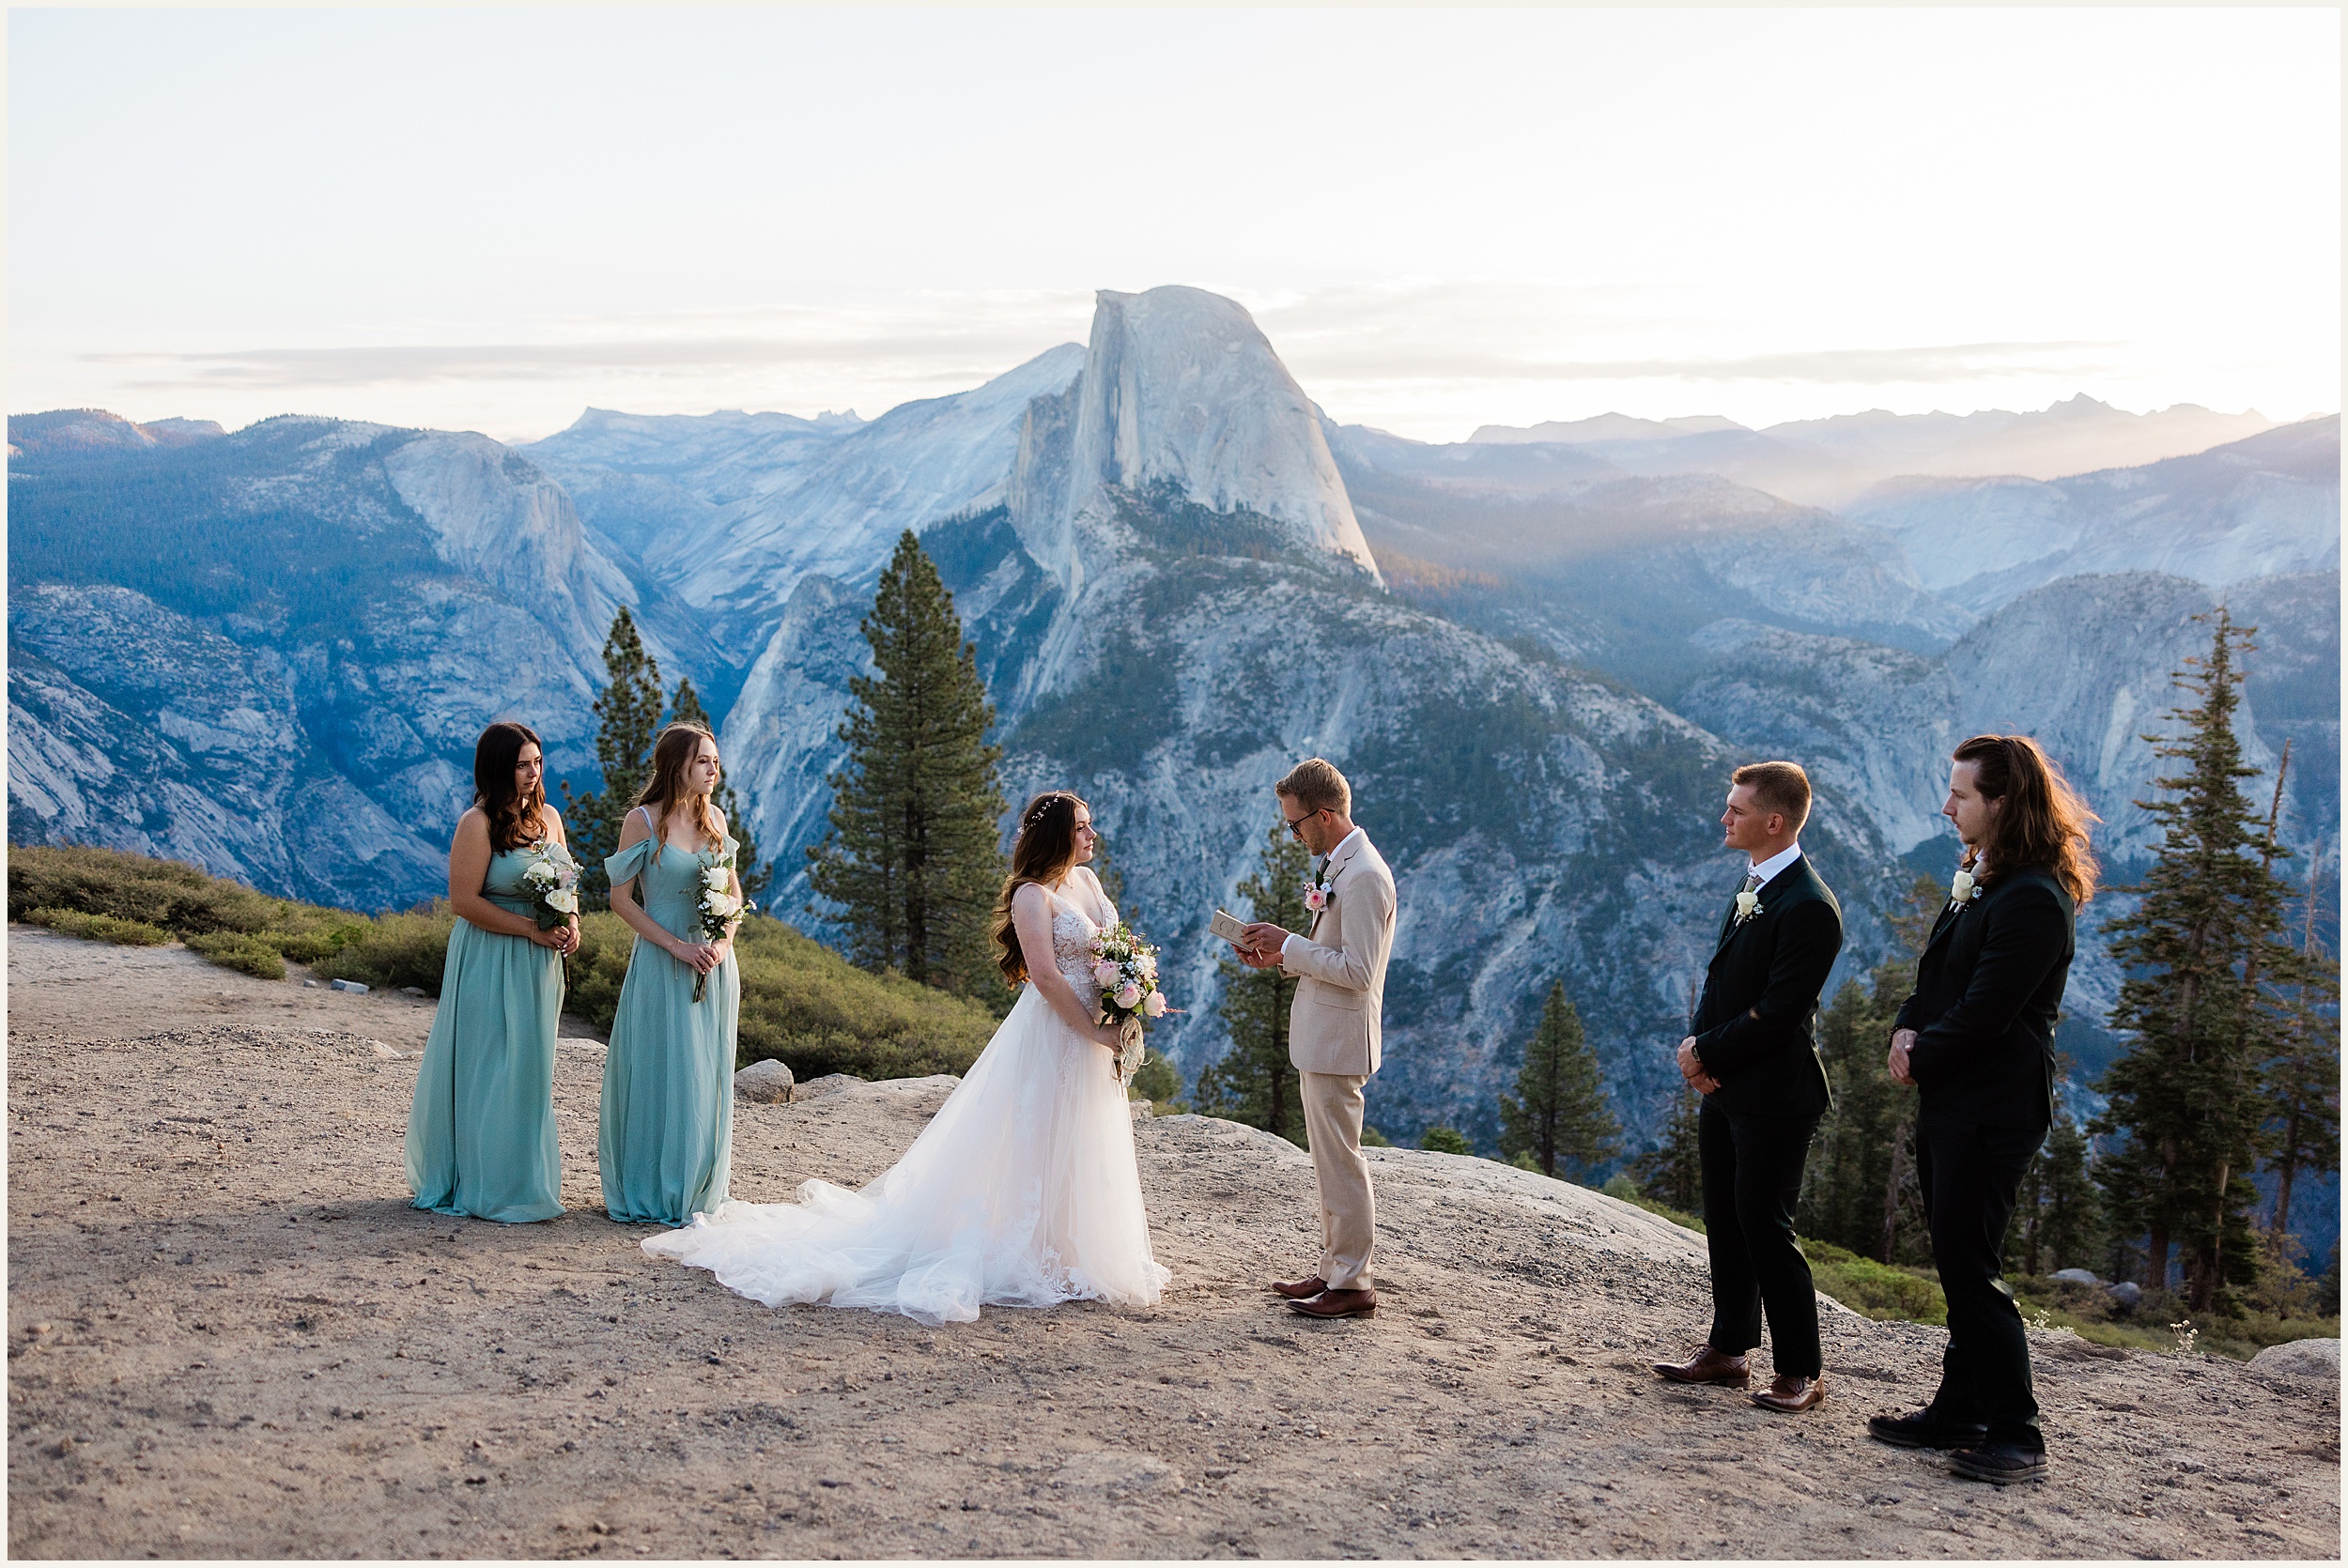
<point x="1442" y="219"/>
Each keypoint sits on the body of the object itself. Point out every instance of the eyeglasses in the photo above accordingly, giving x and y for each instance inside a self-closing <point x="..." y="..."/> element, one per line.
<point x="1296" y="824"/>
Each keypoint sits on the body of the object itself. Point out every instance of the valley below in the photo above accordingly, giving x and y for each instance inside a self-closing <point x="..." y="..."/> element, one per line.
<point x="231" y="1336"/>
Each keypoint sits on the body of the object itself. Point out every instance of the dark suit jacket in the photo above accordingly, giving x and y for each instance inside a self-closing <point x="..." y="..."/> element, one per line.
<point x="1756" y="1027"/>
<point x="1987" y="990"/>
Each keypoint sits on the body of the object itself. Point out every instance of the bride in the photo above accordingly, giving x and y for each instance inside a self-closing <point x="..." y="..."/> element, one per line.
<point x="1023" y="1190"/>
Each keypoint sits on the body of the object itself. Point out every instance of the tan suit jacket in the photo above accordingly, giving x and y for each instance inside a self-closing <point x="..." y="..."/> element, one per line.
<point x="1341" y="966"/>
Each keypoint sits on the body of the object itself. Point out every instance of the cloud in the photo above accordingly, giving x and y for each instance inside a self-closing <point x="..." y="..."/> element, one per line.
<point x="948" y="339"/>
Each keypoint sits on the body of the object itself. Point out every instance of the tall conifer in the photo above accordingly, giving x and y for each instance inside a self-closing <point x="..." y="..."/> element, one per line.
<point x="914" y="860"/>
<point x="685" y="708"/>
<point x="1672" y="1173"/>
<point x="2058" y="1214"/>
<point x="2302" y="1080"/>
<point x="627" y="712"/>
<point x="1559" y="1113"/>
<point x="1860" y="1190"/>
<point x="1253" y="1080"/>
<point x="2186" y="1090"/>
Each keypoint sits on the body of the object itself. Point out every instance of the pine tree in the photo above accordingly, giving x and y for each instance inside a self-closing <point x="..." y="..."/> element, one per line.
<point x="1860" y="1190"/>
<point x="1253" y="1080"/>
<point x="2186" y="1090"/>
<point x="685" y="708"/>
<point x="627" y="712"/>
<point x="2302" y="1080"/>
<point x="2058" y="1215"/>
<point x="914" y="861"/>
<point x="1559" y="1110"/>
<point x="1672" y="1173"/>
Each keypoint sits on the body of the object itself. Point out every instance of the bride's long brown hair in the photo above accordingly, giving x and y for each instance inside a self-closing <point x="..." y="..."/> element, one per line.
<point x="1043" y="852"/>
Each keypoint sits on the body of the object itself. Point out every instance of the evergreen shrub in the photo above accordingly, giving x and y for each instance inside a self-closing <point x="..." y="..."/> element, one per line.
<point x="100" y="927"/>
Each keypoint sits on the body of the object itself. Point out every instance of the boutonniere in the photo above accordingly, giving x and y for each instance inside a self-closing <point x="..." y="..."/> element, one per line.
<point x="1963" y="889"/>
<point x="1317" y="893"/>
<point x="1748" y="905"/>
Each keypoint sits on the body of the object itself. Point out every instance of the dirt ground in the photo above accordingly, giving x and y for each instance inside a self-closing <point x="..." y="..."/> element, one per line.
<point x="229" y="1335"/>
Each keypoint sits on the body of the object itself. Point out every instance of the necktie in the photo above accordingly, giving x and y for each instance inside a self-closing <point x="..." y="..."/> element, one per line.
<point x="1752" y="882"/>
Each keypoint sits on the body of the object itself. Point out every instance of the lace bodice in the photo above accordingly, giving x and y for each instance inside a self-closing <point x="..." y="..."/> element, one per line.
<point x="1073" y="929"/>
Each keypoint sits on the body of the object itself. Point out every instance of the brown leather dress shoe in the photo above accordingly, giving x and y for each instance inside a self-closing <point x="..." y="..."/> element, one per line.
<point x="1338" y="1303"/>
<point x="1787" y="1394"/>
<point x="1298" y="1290"/>
<point x="1706" y="1365"/>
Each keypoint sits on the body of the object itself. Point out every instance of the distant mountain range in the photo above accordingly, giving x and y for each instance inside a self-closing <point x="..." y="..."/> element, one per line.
<point x="1831" y="462"/>
<point x="1538" y="652"/>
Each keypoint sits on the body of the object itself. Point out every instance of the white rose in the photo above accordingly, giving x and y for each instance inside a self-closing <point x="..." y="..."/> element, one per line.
<point x="1961" y="887"/>
<point x="541" y="872"/>
<point x="563" y="901"/>
<point x="723" y="905"/>
<point x="1748" y="904"/>
<point x="1148" y="966"/>
<point x="1153" y="1004"/>
<point x="716" y="879"/>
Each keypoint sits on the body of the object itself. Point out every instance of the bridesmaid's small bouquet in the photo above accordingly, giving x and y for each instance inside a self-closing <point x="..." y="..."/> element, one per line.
<point x="552" y="880"/>
<point x="720" y="912"/>
<point x="1126" y="969"/>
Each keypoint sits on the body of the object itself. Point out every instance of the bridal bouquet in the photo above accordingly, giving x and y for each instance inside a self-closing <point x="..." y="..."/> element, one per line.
<point x="1126" y="969"/>
<point x="551" y="880"/>
<point x="719" y="911"/>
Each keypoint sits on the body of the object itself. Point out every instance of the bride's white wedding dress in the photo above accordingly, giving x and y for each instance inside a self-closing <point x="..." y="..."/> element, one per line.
<point x="1023" y="1190"/>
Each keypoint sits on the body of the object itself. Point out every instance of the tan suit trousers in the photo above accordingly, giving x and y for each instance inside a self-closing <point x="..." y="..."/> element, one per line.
<point x="1332" y="1122"/>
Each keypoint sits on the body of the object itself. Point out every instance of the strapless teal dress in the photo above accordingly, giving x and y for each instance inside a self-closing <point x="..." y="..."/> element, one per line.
<point x="667" y="1135"/>
<point x="481" y="1133"/>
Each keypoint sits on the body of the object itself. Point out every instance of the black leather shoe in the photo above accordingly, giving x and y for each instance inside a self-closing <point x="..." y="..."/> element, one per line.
<point x="2000" y="1464"/>
<point x="1925" y="1430"/>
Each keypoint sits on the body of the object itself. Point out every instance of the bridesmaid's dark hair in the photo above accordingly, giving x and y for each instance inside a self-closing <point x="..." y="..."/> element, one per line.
<point x="514" y="819"/>
<point x="1045" y="848"/>
<point x="671" y="754"/>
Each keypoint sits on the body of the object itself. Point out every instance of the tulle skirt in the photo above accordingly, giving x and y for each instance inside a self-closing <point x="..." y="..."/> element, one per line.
<point x="1023" y="1191"/>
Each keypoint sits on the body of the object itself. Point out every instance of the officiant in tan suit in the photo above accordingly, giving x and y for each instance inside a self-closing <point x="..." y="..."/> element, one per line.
<point x="1339" y="965"/>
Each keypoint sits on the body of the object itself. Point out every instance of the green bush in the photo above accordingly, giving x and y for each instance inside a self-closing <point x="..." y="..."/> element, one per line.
<point x="1444" y="1140"/>
<point x="1874" y="1289"/>
<point x="45" y="883"/>
<point x="242" y="951"/>
<point x="1157" y="1082"/>
<point x="816" y="1012"/>
<point x="395" y="950"/>
<point x="801" y="1003"/>
<point x="100" y="927"/>
<point x="1373" y="1139"/>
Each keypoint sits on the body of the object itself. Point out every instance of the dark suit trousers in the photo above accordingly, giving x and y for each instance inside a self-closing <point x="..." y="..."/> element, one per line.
<point x="1752" y="1178"/>
<point x="1969" y="1175"/>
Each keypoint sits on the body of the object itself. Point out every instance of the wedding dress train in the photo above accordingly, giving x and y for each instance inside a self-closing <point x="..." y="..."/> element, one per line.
<point x="1023" y="1191"/>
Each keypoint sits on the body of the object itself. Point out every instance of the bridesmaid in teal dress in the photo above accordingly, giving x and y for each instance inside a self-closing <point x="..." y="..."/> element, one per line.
<point x="667" y="1138"/>
<point x="481" y="1133"/>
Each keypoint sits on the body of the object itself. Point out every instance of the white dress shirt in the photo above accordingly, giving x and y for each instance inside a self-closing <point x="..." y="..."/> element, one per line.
<point x="1299" y="936"/>
<point x="1764" y="870"/>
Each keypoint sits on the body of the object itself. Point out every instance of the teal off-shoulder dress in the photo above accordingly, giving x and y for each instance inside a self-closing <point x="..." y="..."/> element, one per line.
<point x="667" y="1136"/>
<point x="481" y="1133"/>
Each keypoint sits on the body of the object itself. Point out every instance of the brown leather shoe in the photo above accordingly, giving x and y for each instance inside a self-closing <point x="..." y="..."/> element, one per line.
<point x="1298" y="1290"/>
<point x="1706" y="1365"/>
<point x="1338" y="1303"/>
<point x="1787" y="1394"/>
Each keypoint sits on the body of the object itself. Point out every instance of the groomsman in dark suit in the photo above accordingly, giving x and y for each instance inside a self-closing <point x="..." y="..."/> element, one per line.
<point x="1755" y="1058"/>
<point x="1977" y="1041"/>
